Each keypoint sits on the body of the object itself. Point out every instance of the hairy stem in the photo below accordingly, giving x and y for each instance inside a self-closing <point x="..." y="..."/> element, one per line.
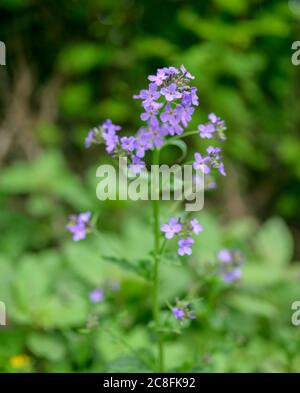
<point x="156" y="257"/>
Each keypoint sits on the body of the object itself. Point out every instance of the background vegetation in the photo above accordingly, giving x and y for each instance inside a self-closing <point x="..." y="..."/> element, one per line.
<point x="72" y="64"/>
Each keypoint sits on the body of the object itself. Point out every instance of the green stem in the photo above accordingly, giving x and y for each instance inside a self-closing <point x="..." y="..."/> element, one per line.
<point x="176" y="137"/>
<point x="156" y="257"/>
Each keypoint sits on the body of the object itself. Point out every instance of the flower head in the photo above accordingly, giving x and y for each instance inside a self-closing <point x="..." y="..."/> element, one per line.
<point x="182" y="311"/>
<point x="230" y="264"/>
<point x="196" y="226"/>
<point x="201" y="163"/>
<point x="79" y="225"/>
<point x="172" y="228"/>
<point x="185" y="246"/>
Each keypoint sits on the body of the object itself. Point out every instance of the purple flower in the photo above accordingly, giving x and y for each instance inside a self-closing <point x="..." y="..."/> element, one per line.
<point x="96" y="296"/>
<point x="150" y="95"/>
<point x="201" y="163"/>
<point x="171" y="92"/>
<point x="109" y="126"/>
<point x="172" y="228"/>
<point x="216" y="120"/>
<point x="128" y="143"/>
<point x="215" y="159"/>
<point x="186" y="73"/>
<point x="225" y="256"/>
<point x="111" y="141"/>
<point x="184" y="114"/>
<point x="230" y="264"/>
<point x="206" y="130"/>
<point x="196" y="226"/>
<point x="233" y="275"/>
<point x="214" y="152"/>
<point x="221" y="169"/>
<point x="89" y="139"/>
<point x="182" y="311"/>
<point x="178" y="312"/>
<point x="159" y="78"/>
<point x="150" y="113"/>
<point x="136" y="165"/>
<point x="185" y="246"/>
<point x="170" y="115"/>
<point x="79" y="225"/>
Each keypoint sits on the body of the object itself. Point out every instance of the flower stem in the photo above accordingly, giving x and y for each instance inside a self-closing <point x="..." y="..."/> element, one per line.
<point x="181" y="136"/>
<point x="156" y="257"/>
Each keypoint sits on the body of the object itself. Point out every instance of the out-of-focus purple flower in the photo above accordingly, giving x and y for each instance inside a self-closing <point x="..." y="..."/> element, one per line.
<point x="216" y="120"/>
<point x="214" y="152"/>
<point x="128" y="143"/>
<point x="136" y="165"/>
<point x="185" y="246"/>
<point x="186" y="73"/>
<point x="182" y="311"/>
<point x="196" y="226"/>
<point x="96" y="296"/>
<point x="201" y="163"/>
<point x="225" y="256"/>
<point x="230" y="264"/>
<point x="206" y="130"/>
<point x="172" y="228"/>
<point x="171" y="92"/>
<point x="233" y="275"/>
<point x="79" y="225"/>
<point x="178" y="312"/>
<point x="221" y="169"/>
<point x="89" y="138"/>
<point x="111" y="141"/>
<point x="215" y="159"/>
<point x="109" y="127"/>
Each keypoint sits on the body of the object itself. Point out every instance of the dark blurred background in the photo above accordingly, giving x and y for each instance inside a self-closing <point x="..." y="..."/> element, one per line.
<point x="72" y="64"/>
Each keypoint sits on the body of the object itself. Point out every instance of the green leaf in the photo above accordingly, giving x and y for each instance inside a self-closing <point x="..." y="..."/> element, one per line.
<point x="46" y="346"/>
<point x="274" y="243"/>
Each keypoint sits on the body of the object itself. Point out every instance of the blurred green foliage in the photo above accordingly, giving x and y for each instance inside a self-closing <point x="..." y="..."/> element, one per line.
<point x="85" y="60"/>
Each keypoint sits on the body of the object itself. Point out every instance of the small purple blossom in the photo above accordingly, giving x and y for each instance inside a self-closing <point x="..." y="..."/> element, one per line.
<point x="178" y="312"/>
<point x="182" y="311"/>
<point x="186" y="73"/>
<point x="230" y="264"/>
<point x="171" y="92"/>
<point x="89" y="138"/>
<point x="160" y="77"/>
<point x="79" y="225"/>
<point x="96" y="296"/>
<point x="172" y="228"/>
<point x="185" y="246"/>
<point x="197" y="228"/>
<point x="206" y="130"/>
<point x="201" y="163"/>
<point x="128" y="143"/>
<point x="224" y="256"/>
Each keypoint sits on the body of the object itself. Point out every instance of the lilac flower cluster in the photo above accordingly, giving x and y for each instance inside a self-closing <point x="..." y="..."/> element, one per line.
<point x="182" y="311"/>
<point x="215" y="126"/>
<point x="184" y="231"/>
<point x="79" y="225"/>
<point x="205" y="163"/>
<point x="169" y="102"/>
<point x="230" y="264"/>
